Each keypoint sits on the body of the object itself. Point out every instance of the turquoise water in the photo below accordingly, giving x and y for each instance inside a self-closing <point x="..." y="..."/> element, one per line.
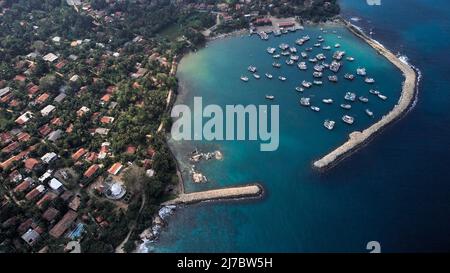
<point x="394" y="191"/>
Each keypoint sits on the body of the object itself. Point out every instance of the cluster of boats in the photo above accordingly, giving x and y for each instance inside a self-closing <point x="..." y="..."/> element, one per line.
<point x="320" y="66"/>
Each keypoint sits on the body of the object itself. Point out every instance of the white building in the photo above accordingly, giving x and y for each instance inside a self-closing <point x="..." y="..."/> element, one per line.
<point x="55" y="185"/>
<point x="47" y="110"/>
<point x="49" y="157"/>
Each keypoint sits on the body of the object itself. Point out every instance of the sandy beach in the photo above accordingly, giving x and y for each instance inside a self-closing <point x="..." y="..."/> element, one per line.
<point x="357" y="139"/>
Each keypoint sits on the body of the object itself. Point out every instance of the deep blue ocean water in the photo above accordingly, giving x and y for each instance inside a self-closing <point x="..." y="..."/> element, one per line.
<point x="396" y="190"/>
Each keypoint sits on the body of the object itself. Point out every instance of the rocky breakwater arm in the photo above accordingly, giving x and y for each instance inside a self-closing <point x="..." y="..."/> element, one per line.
<point x="247" y="191"/>
<point x="406" y="99"/>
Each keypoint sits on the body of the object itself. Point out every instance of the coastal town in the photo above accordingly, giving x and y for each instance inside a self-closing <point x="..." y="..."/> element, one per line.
<point x="85" y="88"/>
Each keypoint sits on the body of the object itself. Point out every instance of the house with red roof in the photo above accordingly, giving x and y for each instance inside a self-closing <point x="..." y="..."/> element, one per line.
<point x="91" y="170"/>
<point x="78" y="154"/>
<point x="31" y="163"/>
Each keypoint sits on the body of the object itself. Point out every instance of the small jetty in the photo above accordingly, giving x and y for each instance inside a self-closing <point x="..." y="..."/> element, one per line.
<point x="357" y="139"/>
<point x="247" y="191"/>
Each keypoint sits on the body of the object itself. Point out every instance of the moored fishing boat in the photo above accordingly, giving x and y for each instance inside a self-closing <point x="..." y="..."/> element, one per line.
<point x="252" y="69"/>
<point x="346" y="106"/>
<point x="305" y="101"/>
<point x="348" y="119"/>
<point x="306" y="84"/>
<point x="257" y="76"/>
<point x="281" y="78"/>
<point x="271" y="50"/>
<point x="269" y="76"/>
<point x="349" y="77"/>
<point x="369" y="80"/>
<point x="329" y="124"/>
<point x="350" y="96"/>
<point x="369" y="113"/>
<point x="363" y="99"/>
<point x="361" y="71"/>
<point x="244" y="78"/>
<point x="270" y="97"/>
<point x="299" y="89"/>
<point x="374" y="92"/>
<point x="315" y="108"/>
<point x="290" y="62"/>
<point x="317" y="74"/>
<point x="276" y="65"/>
<point x="327" y="101"/>
<point x="381" y="96"/>
<point x="302" y="66"/>
<point x="333" y="78"/>
<point x="317" y="82"/>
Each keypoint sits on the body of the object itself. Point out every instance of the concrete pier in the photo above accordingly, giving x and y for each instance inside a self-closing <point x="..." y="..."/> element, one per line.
<point x="247" y="191"/>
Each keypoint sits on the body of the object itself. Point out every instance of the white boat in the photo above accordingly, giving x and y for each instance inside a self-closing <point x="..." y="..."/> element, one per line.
<point x="320" y="57"/>
<point x="318" y="68"/>
<point x="304" y="55"/>
<point x="317" y="74"/>
<point x="257" y="76"/>
<point x="244" y="78"/>
<point x="350" y="59"/>
<point x="269" y="76"/>
<point x="293" y="50"/>
<point x="306" y="84"/>
<point x="252" y="69"/>
<point x="290" y="62"/>
<point x="381" y="96"/>
<point x="337" y="45"/>
<point x="281" y="78"/>
<point x="348" y="119"/>
<point x="271" y="50"/>
<point x="350" y="96"/>
<point x="318" y="45"/>
<point x="276" y="56"/>
<point x="315" y="108"/>
<point x="361" y="71"/>
<point x="369" y="113"/>
<point x="299" y="89"/>
<point x="318" y="82"/>
<point x="329" y="124"/>
<point x="270" y="97"/>
<point x="276" y="65"/>
<point x="335" y="66"/>
<point x="326" y="48"/>
<point x="294" y="58"/>
<point x="285" y="53"/>
<point x="369" y="80"/>
<point x="363" y="99"/>
<point x="349" y="77"/>
<point x="338" y="55"/>
<point x="313" y="60"/>
<point x="374" y="92"/>
<point x="327" y="101"/>
<point x="346" y="106"/>
<point x="302" y="66"/>
<point x="305" y="101"/>
<point x="283" y="46"/>
<point x="333" y="78"/>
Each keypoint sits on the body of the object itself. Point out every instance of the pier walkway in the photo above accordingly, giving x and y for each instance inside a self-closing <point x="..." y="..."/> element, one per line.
<point x="247" y="191"/>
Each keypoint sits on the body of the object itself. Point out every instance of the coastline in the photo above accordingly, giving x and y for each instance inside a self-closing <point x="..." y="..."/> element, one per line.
<point x="357" y="139"/>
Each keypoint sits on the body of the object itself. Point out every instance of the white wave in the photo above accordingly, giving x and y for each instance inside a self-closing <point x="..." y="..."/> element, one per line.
<point x="166" y="211"/>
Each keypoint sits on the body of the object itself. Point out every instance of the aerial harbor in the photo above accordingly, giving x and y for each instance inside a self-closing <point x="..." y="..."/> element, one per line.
<point x="224" y="126"/>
